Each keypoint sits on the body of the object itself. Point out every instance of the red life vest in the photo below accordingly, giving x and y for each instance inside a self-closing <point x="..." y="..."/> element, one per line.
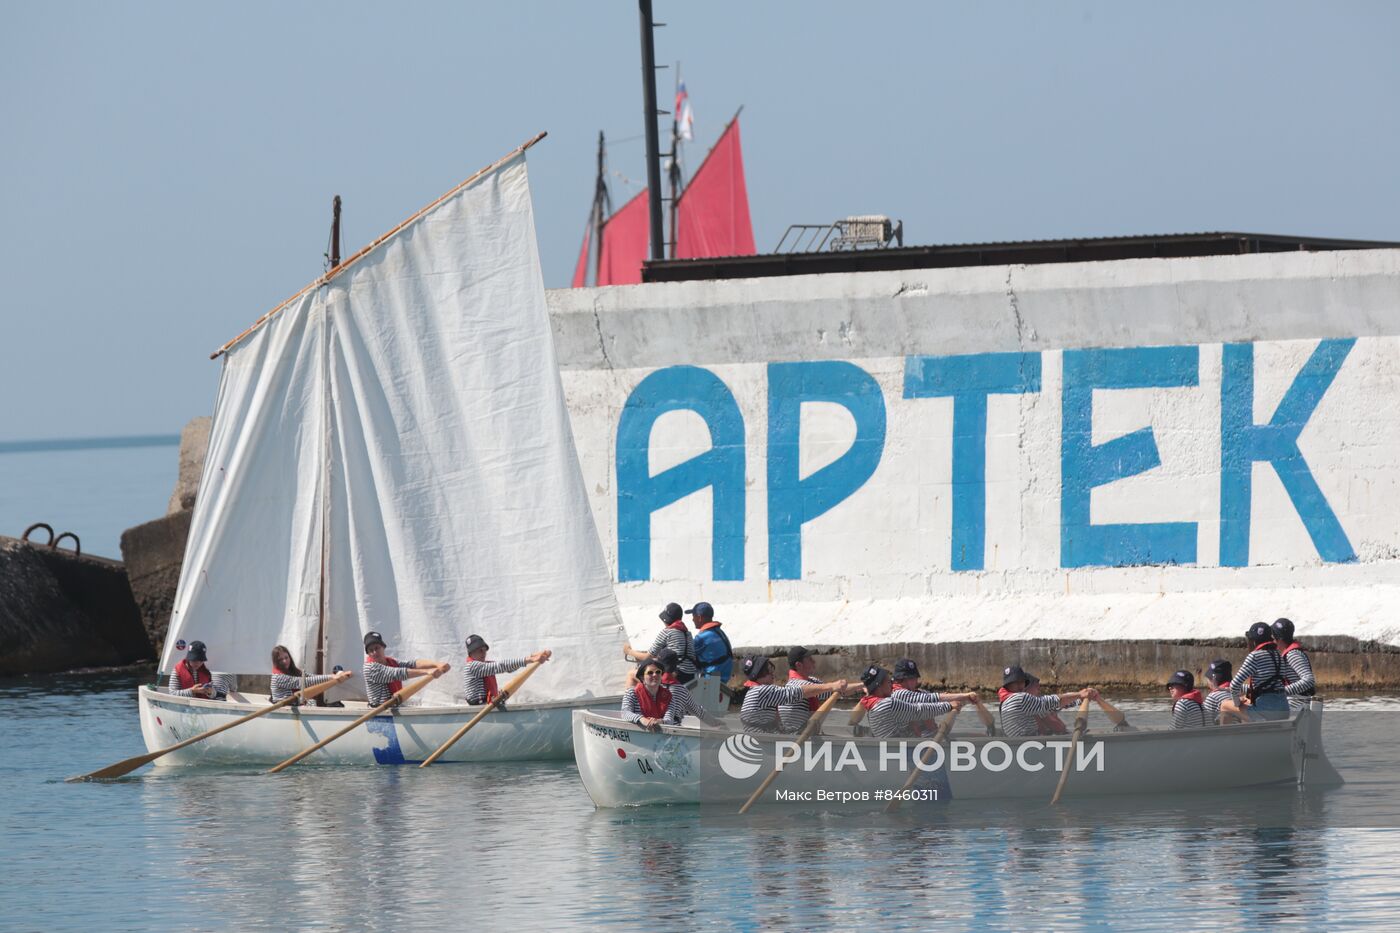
<point x="492" y="691"/>
<point x="669" y="679"/>
<point x="870" y="702"/>
<point x="813" y="704"/>
<point x="1193" y="695"/>
<point x="189" y="677"/>
<point x="394" y="685"/>
<point x="653" y="707"/>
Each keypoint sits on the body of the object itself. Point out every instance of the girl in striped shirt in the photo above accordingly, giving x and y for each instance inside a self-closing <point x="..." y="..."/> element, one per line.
<point x="1020" y="709"/>
<point x="1262" y="670"/>
<point x="1187" y="709"/>
<point x="1220" y="705"/>
<point x="762" y="698"/>
<point x="384" y="676"/>
<point x="287" y="678"/>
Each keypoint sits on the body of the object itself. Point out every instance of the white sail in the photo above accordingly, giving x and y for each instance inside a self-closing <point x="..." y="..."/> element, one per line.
<point x="419" y="385"/>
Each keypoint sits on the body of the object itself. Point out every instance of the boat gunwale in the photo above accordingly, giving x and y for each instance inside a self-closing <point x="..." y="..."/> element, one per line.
<point x="158" y="695"/>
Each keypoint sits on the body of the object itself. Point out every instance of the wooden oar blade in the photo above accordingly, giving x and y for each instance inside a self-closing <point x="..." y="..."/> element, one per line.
<point x="117" y="770"/>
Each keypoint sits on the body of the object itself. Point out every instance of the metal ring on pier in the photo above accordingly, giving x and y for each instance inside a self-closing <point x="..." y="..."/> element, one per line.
<point x="77" y="545"/>
<point x="49" y="528"/>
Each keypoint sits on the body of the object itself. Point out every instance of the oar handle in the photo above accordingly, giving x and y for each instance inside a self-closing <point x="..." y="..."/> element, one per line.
<point x="812" y="724"/>
<point x="938" y="738"/>
<point x="496" y="701"/>
<point x="1115" y="715"/>
<point x="403" y="694"/>
<point x="985" y="715"/>
<point x="131" y="764"/>
<point x="1081" y="722"/>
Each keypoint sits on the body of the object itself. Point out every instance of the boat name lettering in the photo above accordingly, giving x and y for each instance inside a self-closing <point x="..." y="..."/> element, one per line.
<point x="608" y="732"/>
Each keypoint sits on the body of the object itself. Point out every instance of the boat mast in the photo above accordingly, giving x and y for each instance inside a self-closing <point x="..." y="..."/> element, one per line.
<point x="602" y="207"/>
<point x="653" y="142"/>
<point x="326" y="451"/>
<point x="675" y="165"/>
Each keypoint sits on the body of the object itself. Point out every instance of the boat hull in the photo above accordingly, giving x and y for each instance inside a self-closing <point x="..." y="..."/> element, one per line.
<point x="624" y="766"/>
<point x="522" y="732"/>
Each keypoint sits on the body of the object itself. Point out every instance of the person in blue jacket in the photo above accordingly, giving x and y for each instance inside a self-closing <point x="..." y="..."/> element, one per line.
<point x="714" y="657"/>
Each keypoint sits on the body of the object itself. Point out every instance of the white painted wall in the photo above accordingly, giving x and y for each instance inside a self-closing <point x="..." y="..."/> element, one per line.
<point x="878" y="566"/>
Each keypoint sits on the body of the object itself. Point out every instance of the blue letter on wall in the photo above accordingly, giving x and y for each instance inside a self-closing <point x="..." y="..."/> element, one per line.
<point x="1083" y="465"/>
<point x="721" y="468"/>
<point x="792" y="502"/>
<point x="969" y="380"/>
<point x="1243" y="443"/>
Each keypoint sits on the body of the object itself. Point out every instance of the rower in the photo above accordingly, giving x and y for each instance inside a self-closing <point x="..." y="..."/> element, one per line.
<point x="1187" y="711"/>
<point x="1045" y="723"/>
<point x="1297" y="667"/>
<point x="1220" y="706"/>
<point x="674" y="705"/>
<point x="384" y="676"/>
<point x="1019" y="708"/>
<point x="794" y="715"/>
<point x="1262" y="669"/>
<point x="888" y="715"/>
<point x="714" y="656"/>
<point x="906" y="687"/>
<point x="673" y="635"/>
<point x="287" y="678"/>
<point x="479" y="675"/>
<point x="192" y="677"/>
<point x="762" y="698"/>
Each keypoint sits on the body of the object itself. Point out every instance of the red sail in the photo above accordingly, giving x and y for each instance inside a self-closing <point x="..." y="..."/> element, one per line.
<point x="624" y="243"/>
<point x="713" y="218"/>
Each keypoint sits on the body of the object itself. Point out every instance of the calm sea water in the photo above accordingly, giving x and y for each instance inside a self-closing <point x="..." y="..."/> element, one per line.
<point x="93" y="488"/>
<point x="521" y="846"/>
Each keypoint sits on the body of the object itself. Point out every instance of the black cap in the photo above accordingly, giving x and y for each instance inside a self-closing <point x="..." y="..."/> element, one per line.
<point x="702" y="611"/>
<point x="1184" y="679"/>
<point x="672" y="613"/>
<point x="1282" y="629"/>
<point x="873" y="676"/>
<point x="1010" y="675"/>
<point x="754" y="665"/>
<point x="1220" y="670"/>
<point x="196" y="652"/>
<point x="905" y="667"/>
<point x="649" y="662"/>
<point x="1259" y="633"/>
<point x="475" y="642"/>
<point x="374" y="638"/>
<point x="798" y="653"/>
<point x="668" y="659"/>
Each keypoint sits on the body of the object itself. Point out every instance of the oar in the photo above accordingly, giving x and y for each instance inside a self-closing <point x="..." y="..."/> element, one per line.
<point x="857" y="715"/>
<point x="1116" y="716"/>
<point x="812" y="725"/>
<point x="501" y="697"/>
<point x="938" y="738"/>
<point x="1081" y="722"/>
<point x="131" y="764"/>
<point x="395" y="700"/>
<point x="985" y="715"/>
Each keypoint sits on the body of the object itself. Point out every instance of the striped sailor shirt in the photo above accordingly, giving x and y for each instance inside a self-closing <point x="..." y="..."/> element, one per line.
<point x="217" y="681"/>
<point x="1187" y="714"/>
<point x="1213" y="701"/>
<point x="792" y="717"/>
<point x="892" y="715"/>
<point x="677" y="638"/>
<point x="378" y="677"/>
<point x="683" y="704"/>
<point x="1018" y="712"/>
<point x="1264" y="668"/>
<point x="474" y="674"/>
<point x="1299" y="674"/>
<point x="284" y="685"/>
<point x="760" y="710"/>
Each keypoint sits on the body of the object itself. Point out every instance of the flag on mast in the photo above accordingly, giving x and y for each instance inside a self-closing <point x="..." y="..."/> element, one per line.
<point x="685" y="117"/>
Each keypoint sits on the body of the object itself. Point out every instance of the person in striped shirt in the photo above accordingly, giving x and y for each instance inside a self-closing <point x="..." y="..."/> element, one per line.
<point x="906" y="679"/>
<point x="192" y="677"/>
<point x="762" y="697"/>
<point x="1298" y="672"/>
<point x="1020" y="709"/>
<point x="384" y="676"/>
<point x="792" y="716"/>
<point x="673" y="635"/>
<point x="479" y="675"/>
<point x="889" y="716"/>
<point x="1187" y="709"/>
<point x="1220" y="706"/>
<point x="1045" y="723"/>
<point x="287" y="678"/>
<point x="660" y="699"/>
<point x="1262" y="670"/>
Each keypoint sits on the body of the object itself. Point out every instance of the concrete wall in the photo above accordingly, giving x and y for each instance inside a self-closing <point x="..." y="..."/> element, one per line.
<point x="1147" y="449"/>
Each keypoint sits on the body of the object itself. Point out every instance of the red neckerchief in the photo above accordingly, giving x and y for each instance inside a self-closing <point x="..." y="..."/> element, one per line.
<point x="491" y="691"/>
<point x="1194" y="696"/>
<point x="1294" y="646"/>
<point x="750" y="683"/>
<point x="669" y="679"/>
<point x="394" y="685"/>
<point x="653" y="707"/>
<point x="678" y="624"/>
<point x="870" y="702"/>
<point x="813" y="704"/>
<point x="1002" y="694"/>
<point x="188" y="677"/>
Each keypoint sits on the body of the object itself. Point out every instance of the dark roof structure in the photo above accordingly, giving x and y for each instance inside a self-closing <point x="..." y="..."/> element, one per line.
<point x="1095" y="249"/>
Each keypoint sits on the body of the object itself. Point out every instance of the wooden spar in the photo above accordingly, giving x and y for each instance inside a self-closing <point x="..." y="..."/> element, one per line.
<point x="335" y="232"/>
<point x="375" y="245"/>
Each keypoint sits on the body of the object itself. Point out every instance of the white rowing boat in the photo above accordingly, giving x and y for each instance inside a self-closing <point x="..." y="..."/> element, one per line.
<point x="625" y="766"/>
<point x="391" y="452"/>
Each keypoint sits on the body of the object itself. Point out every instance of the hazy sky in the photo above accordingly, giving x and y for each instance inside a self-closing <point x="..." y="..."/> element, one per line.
<point x="167" y="168"/>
